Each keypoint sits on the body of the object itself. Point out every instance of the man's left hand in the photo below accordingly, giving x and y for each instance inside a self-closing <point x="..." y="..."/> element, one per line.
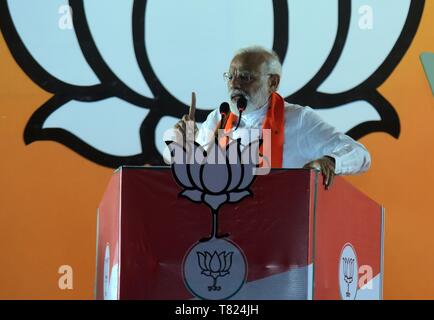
<point x="327" y="167"/>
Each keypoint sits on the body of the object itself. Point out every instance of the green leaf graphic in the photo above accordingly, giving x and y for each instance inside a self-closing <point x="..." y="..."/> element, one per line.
<point x="427" y="59"/>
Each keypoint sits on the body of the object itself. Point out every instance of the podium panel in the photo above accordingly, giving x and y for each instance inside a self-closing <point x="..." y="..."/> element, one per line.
<point x="289" y="239"/>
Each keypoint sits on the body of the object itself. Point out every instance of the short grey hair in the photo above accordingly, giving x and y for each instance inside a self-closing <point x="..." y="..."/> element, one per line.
<point x="272" y="61"/>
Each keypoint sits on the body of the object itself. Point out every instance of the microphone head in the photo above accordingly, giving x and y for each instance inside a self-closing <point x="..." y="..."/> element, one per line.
<point x="224" y="108"/>
<point x="241" y="103"/>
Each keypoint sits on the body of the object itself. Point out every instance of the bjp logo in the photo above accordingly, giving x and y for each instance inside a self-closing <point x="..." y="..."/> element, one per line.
<point x="123" y="72"/>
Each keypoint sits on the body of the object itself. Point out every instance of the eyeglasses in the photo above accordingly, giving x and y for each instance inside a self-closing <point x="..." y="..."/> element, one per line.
<point x="243" y="76"/>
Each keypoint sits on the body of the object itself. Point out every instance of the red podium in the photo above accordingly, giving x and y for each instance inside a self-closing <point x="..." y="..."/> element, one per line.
<point x="291" y="239"/>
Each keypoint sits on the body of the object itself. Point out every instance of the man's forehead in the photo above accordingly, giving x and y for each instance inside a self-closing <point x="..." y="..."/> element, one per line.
<point x="251" y="61"/>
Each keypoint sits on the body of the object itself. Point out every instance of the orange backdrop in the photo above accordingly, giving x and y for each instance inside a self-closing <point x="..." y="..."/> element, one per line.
<point x="49" y="194"/>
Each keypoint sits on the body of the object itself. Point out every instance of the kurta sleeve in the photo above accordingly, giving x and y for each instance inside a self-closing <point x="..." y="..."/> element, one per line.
<point x="316" y="138"/>
<point x="207" y="128"/>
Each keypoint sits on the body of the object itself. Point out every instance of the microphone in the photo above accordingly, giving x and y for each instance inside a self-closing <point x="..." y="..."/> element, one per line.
<point x="224" y="110"/>
<point x="241" y="105"/>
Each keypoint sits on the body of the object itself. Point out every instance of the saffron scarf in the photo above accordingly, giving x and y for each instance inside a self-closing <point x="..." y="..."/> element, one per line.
<point x="275" y="121"/>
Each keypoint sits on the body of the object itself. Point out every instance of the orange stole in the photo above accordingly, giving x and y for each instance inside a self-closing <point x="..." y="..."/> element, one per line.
<point x="275" y="121"/>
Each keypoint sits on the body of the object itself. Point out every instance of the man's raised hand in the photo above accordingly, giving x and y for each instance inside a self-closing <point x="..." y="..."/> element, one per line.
<point x="187" y="123"/>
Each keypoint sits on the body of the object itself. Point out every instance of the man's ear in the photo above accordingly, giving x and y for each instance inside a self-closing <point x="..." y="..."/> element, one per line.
<point x="273" y="82"/>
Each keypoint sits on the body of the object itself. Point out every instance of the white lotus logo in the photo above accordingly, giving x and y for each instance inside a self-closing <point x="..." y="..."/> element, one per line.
<point x="124" y="73"/>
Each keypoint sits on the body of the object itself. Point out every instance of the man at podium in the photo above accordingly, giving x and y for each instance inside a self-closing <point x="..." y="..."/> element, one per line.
<point x="299" y="137"/>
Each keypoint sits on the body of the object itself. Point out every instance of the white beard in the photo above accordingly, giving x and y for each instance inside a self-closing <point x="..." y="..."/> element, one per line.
<point x="253" y="102"/>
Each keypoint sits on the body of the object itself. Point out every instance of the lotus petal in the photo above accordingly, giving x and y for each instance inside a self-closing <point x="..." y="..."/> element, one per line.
<point x="222" y="260"/>
<point x="349" y="115"/>
<point x="249" y="158"/>
<point x="215" y="177"/>
<point x="370" y="45"/>
<point x="54" y="48"/>
<point x="195" y="168"/>
<point x="233" y="154"/>
<point x="215" y="201"/>
<point x="201" y="260"/>
<point x="194" y="34"/>
<point x="215" y="265"/>
<point x="194" y="195"/>
<point x="228" y="261"/>
<point x="207" y="259"/>
<point x="179" y="165"/>
<point x="237" y="196"/>
<point x="312" y="34"/>
<point x="110" y="125"/>
<point x="112" y="30"/>
<point x="215" y="173"/>
<point x="180" y="171"/>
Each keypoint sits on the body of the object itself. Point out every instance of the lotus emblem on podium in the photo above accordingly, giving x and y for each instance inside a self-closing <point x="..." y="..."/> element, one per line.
<point x="215" y="176"/>
<point x="215" y="265"/>
<point x="348" y="271"/>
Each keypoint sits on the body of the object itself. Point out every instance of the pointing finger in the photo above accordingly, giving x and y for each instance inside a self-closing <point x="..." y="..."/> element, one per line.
<point x="193" y="106"/>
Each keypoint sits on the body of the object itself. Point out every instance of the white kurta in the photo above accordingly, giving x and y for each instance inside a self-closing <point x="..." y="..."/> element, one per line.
<point x="307" y="138"/>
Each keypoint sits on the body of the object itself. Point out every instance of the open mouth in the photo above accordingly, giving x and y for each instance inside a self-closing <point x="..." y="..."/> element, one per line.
<point x="236" y="96"/>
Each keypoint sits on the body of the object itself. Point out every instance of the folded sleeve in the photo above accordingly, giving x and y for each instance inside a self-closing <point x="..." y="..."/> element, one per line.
<point x="316" y="138"/>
